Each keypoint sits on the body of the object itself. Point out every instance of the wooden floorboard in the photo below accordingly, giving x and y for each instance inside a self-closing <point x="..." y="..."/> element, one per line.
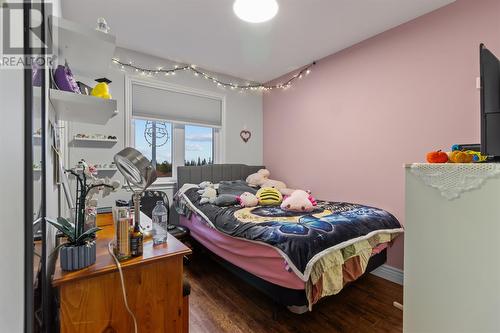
<point x="220" y="302"/>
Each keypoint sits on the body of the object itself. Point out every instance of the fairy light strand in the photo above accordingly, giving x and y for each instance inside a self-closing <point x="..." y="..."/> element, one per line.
<point x="199" y="73"/>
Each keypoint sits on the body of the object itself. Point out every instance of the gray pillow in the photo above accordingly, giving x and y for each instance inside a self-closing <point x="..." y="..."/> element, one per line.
<point x="225" y="200"/>
<point x="235" y="187"/>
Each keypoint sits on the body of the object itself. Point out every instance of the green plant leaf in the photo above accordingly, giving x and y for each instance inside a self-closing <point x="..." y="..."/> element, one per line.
<point x="87" y="234"/>
<point x="65" y="222"/>
<point x="67" y="230"/>
<point x="56" y="249"/>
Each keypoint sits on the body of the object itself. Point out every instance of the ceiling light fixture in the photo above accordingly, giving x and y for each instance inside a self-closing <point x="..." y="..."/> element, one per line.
<point x="255" y="11"/>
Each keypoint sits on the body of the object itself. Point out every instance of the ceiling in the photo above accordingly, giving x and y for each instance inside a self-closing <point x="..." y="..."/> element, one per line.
<point x="208" y="34"/>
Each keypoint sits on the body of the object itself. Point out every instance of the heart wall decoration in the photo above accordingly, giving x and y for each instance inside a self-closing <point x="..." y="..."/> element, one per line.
<point x="245" y="135"/>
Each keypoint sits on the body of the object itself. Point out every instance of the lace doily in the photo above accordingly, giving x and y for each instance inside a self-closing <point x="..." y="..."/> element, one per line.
<point x="452" y="179"/>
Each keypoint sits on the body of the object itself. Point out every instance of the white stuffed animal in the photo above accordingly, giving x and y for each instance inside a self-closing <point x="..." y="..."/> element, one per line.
<point x="205" y="184"/>
<point x="207" y="195"/>
<point x="279" y="185"/>
<point x="247" y="199"/>
<point x="261" y="179"/>
<point x="258" y="178"/>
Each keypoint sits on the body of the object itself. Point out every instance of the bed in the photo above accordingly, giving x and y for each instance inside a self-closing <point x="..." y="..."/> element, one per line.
<point x="296" y="259"/>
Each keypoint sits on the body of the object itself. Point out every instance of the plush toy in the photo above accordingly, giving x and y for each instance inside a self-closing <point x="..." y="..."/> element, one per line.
<point x="269" y="196"/>
<point x="311" y="198"/>
<point x="258" y="178"/>
<point x="208" y="195"/>
<point x="477" y="156"/>
<point x="205" y="184"/>
<point x="101" y="89"/>
<point x="247" y="199"/>
<point x="279" y="185"/>
<point x="437" y="157"/>
<point x="459" y="156"/>
<point x="286" y="192"/>
<point x="298" y="202"/>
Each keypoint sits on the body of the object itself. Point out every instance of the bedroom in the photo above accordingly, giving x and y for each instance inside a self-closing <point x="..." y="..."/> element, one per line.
<point x="342" y="103"/>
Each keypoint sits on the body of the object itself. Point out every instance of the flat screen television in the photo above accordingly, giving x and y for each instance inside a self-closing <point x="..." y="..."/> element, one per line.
<point x="490" y="103"/>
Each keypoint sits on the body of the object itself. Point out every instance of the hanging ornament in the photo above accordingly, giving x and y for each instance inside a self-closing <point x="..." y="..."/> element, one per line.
<point x="245" y="134"/>
<point x="156" y="133"/>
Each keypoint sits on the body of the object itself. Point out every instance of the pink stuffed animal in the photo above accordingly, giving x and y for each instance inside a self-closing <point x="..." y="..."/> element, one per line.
<point x="274" y="183"/>
<point x="247" y="199"/>
<point x="261" y="179"/>
<point x="258" y="178"/>
<point x="298" y="201"/>
<point x="311" y="198"/>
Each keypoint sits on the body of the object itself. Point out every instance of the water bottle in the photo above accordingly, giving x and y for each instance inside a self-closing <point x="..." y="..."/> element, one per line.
<point x="160" y="219"/>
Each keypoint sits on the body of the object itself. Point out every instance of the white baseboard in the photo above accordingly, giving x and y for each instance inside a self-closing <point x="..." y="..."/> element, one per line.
<point x="389" y="273"/>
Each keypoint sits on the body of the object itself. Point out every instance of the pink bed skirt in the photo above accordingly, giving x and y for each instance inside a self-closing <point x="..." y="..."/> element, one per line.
<point x="258" y="259"/>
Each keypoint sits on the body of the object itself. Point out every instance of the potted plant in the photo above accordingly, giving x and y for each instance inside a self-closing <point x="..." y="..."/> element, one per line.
<point x="80" y="249"/>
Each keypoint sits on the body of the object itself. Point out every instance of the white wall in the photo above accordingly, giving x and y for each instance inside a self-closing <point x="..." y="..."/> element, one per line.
<point x="242" y="109"/>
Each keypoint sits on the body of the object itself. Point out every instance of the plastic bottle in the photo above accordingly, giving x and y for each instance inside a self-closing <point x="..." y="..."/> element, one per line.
<point x="160" y="220"/>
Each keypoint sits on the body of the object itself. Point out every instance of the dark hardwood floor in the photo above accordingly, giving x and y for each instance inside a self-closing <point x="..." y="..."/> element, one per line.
<point x="220" y="302"/>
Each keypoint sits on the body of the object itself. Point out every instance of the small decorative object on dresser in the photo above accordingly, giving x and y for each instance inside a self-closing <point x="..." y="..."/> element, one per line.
<point x="80" y="250"/>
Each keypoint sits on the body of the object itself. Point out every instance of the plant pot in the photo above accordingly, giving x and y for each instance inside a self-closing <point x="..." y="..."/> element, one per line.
<point x="73" y="258"/>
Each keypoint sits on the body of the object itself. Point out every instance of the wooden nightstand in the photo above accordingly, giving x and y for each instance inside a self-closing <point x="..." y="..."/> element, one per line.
<point x="91" y="299"/>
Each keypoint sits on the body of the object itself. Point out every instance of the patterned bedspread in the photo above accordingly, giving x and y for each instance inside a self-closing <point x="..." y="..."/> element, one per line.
<point x="301" y="239"/>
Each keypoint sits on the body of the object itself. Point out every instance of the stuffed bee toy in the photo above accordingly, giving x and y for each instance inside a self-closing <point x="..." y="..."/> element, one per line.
<point x="269" y="196"/>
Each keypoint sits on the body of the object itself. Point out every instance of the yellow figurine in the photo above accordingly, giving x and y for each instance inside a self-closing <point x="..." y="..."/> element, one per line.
<point x="101" y="89"/>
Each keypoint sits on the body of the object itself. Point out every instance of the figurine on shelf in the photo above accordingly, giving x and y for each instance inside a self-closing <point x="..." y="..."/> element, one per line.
<point x="101" y="89"/>
<point x="102" y="25"/>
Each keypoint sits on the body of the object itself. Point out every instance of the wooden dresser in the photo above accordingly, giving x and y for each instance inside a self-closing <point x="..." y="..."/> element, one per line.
<point x="91" y="299"/>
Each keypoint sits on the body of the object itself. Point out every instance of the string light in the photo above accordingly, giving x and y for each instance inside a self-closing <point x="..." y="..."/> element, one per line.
<point x="199" y="73"/>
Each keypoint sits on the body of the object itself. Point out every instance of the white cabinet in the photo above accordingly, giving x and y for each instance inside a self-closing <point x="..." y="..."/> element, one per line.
<point x="452" y="259"/>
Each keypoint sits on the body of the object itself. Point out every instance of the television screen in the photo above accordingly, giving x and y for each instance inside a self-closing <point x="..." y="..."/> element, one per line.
<point x="490" y="102"/>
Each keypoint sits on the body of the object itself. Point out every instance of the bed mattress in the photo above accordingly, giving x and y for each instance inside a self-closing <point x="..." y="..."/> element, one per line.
<point x="258" y="259"/>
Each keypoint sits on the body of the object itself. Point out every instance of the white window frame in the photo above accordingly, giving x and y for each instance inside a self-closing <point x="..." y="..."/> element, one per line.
<point x="178" y="135"/>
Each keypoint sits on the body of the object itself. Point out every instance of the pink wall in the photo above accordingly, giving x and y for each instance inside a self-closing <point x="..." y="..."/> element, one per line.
<point x="346" y="130"/>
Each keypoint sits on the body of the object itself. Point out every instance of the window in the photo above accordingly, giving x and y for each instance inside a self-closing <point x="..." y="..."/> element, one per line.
<point x="154" y="140"/>
<point x="173" y="126"/>
<point x="199" y="145"/>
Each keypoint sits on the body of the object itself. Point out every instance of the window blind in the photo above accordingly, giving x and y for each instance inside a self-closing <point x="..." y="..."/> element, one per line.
<point x="182" y="107"/>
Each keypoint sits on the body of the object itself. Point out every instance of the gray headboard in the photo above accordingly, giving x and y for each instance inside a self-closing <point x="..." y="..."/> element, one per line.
<point x="214" y="173"/>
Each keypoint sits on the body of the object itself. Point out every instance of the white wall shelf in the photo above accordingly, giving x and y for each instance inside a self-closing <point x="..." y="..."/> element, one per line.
<point x="78" y="139"/>
<point x="100" y="169"/>
<point x="82" y="108"/>
<point x="106" y="169"/>
<point x="87" y="51"/>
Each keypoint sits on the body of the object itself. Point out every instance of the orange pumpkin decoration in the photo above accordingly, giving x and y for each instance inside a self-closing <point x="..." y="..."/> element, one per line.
<point x="437" y="157"/>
